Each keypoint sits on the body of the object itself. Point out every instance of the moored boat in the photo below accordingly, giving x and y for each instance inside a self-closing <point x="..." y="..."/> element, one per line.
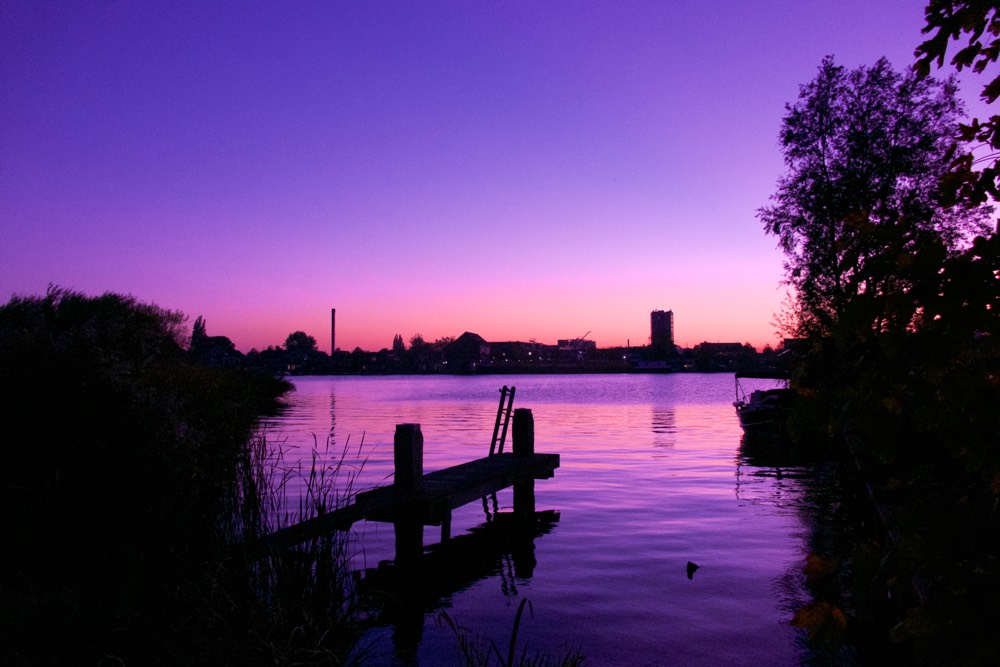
<point x="763" y="411"/>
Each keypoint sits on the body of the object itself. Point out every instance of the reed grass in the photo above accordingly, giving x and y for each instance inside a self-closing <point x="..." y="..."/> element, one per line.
<point x="476" y="650"/>
<point x="295" y="605"/>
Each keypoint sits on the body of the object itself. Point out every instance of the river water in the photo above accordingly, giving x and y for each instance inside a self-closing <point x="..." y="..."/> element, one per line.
<point x="653" y="476"/>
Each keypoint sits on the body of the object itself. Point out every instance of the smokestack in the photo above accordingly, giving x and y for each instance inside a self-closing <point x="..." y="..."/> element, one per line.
<point x="333" y="331"/>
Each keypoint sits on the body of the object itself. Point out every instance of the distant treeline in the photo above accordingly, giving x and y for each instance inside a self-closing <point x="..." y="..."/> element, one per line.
<point x="300" y="356"/>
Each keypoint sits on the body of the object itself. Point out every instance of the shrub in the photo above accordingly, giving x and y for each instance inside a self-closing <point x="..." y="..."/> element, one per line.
<point x="118" y="458"/>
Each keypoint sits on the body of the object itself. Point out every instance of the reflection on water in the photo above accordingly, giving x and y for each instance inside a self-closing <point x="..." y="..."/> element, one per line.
<point x="653" y="476"/>
<point x="664" y="426"/>
<point x="500" y="550"/>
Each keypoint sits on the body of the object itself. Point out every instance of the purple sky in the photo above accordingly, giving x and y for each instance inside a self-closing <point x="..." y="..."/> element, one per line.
<point x="518" y="169"/>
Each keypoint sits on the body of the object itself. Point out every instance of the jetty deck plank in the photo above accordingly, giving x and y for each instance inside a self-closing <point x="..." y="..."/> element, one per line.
<point x="437" y="494"/>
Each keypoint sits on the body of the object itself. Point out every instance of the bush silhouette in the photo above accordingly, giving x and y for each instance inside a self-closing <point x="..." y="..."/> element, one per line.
<point x="119" y="460"/>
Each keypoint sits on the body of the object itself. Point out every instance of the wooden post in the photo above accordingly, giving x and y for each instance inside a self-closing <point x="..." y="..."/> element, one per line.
<point x="524" y="447"/>
<point x="409" y="533"/>
<point x="524" y="433"/>
<point x="408" y="456"/>
<point x="446" y="525"/>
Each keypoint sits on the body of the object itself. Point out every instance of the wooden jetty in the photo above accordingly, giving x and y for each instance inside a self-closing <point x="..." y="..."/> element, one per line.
<point x="415" y="499"/>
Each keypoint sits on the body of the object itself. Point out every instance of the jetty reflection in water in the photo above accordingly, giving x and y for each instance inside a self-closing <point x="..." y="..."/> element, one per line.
<point x="405" y="593"/>
<point x="651" y="478"/>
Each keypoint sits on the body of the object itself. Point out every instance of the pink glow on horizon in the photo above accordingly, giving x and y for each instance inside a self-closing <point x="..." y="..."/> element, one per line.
<point x="520" y="170"/>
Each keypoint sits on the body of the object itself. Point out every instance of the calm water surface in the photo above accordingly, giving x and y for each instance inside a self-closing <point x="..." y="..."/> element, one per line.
<point x="651" y="477"/>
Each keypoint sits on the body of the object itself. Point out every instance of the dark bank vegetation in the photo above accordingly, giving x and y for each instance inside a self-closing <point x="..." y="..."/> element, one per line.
<point x="138" y="483"/>
<point x="130" y="478"/>
<point x="895" y="262"/>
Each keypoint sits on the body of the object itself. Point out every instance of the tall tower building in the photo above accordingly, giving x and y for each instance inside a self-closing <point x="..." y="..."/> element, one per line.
<point x="333" y="331"/>
<point x="661" y="331"/>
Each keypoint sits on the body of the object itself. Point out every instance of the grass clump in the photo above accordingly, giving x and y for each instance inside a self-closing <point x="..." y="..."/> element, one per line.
<point x="477" y="651"/>
<point x="295" y="605"/>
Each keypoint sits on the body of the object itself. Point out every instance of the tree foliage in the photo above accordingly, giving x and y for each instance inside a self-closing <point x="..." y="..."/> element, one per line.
<point x="198" y="332"/>
<point x="120" y="456"/>
<point x="897" y="273"/>
<point x="398" y="346"/>
<point x="857" y="212"/>
<point x="970" y="178"/>
<point x="212" y="350"/>
<point x="300" y="341"/>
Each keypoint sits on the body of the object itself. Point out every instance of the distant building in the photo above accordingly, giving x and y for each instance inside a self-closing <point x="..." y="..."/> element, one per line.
<point x="721" y="348"/>
<point x="467" y="352"/>
<point x="507" y="352"/>
<point x="575" y="350"/>
<point x="333" y="331"/>
<point x="661" y="333"/>
<point x="576" y="344"/>
<point x="714" y="357"/>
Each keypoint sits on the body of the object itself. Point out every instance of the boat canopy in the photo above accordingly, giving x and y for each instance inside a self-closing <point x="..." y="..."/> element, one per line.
<point x="765" y="375"/>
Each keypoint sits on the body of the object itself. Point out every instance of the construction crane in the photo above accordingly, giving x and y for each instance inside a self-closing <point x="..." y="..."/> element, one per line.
<point x="577" y="343"/>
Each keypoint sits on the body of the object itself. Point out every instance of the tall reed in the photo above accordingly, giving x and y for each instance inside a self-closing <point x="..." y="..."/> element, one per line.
<point x="475" y="650"/>
<point x="286" y="605"/>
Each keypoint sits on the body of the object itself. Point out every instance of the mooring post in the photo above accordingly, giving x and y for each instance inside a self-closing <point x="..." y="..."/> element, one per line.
<point x="446" y="525"/>
<point x="409" y="533"/>
<point x="524" y="447"/>
<point x="408" y="457"/>
<point x="524" y="433"/>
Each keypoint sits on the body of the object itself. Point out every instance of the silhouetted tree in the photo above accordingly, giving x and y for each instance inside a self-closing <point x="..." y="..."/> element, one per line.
<point x="423" y="356"/>
<point x="212" y="350"/>
<point x="271" y="360"/>
<point x="949" y="20"/>
<point x="198" y="332"/>
<point x="865" y="150"/>
<point x="875" y="247"/>
<point x="359" y="360"/>
<point x="106" y="419"/>
<point x="299" y="347"/>
<point x="300" y="342"/>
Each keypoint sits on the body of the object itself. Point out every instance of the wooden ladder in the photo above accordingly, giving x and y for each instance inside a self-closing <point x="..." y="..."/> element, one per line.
<point x="503" y="413"/>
